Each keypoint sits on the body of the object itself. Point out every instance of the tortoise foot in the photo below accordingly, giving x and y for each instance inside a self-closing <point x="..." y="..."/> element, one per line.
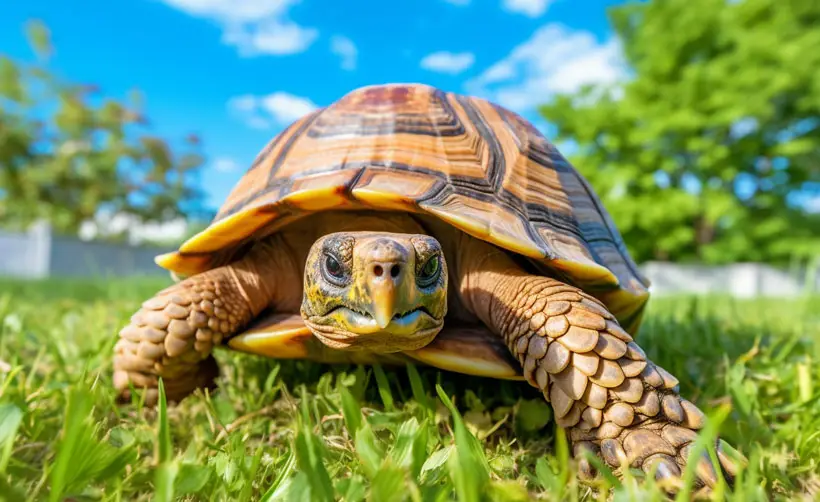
<point x="172" y="336"/>
<point x="185" y="381"/>
<point x="661" y="443"/>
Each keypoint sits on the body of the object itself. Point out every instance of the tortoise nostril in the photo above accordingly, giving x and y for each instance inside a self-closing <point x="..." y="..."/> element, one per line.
<point x="380" y="270"/>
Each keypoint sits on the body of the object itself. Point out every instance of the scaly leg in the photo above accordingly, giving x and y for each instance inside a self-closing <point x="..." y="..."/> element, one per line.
<point x="172" y="335"/>
<point x="603" y="390"/>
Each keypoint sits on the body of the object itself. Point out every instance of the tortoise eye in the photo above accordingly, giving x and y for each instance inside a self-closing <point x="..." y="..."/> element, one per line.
<point x="430" y="271"/>
<point x="334" y="268"/>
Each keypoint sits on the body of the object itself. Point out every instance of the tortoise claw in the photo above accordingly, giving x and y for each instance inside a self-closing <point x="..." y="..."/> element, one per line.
<point x="705" y="470"/>
<point x="665" y="467"/>
<point x="585" y="470"/>
<point x="666" y="470"/>
<point x="730" y="459"/>
<point x="659" y="448"/>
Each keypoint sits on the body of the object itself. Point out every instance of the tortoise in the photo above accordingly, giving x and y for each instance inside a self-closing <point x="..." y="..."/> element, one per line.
<point x="404" y="223"/>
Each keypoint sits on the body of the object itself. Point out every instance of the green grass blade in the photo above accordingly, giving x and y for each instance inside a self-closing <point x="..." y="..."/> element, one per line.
<point x="562" y="452"/>
<point x="250" y="475"/>
<point x="167" y="470"/>
<point x="351" y="411"/>
<point x="164" y="478"/>
<point x="279" y="488"/>
<point x="548" y="478"/>
<point x="10" y="418"/>
<point x="468" y="467"/>
<point x="309" y="455"/>
<point x="507" y="491"/>
<point x="368" y="450"/>
<point x="402" y="450"/>
<point x="388" y="485"/>
<point x="301" y="489"/>
<point x="82" y="459"/>
<point x="419" y="394"/>
<point x="431" y="469"/>
<point x="164" y="446"/>
<point x="191" y="478"/>
<point x="707" y="436"/>
<point x="70" y="444"/>
<point x="384" y="388"/>
<point x="352" y="489"/>
<point x="408" y="451"/>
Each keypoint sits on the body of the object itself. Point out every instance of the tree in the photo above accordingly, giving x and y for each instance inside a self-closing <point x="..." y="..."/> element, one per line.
<point x="67" y="153"/>
<point x="700" y="153"/>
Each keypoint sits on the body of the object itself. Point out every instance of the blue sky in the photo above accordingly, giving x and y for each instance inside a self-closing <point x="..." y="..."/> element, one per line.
<point x="236" y="72"/>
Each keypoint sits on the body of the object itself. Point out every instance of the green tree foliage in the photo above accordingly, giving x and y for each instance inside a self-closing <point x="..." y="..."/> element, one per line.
<point x="700" y="152"/>
<point x="67" y="153"/>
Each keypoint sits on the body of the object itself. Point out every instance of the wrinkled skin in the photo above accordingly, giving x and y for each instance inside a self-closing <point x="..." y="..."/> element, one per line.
<point x="387" y="285"/>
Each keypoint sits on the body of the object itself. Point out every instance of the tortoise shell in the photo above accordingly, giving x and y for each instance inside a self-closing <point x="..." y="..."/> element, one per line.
<point x="482" y="168"/>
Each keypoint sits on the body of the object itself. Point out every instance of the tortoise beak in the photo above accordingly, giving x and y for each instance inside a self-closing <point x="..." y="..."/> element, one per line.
<point x="385" y="281"/>
<point x="383" y="301"/>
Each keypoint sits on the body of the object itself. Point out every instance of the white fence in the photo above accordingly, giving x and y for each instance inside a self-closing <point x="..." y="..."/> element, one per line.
<point x="742" y="280"/>
<point x="38" y="254"/>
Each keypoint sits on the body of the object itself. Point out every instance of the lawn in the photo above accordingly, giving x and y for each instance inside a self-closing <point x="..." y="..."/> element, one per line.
<point x="301" y="431"/>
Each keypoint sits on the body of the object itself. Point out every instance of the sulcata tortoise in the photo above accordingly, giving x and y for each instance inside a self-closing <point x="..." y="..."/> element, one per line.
<point x="404" y="224"/>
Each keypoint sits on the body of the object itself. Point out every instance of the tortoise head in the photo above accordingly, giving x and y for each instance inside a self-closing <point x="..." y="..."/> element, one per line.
<point x="376" y="291"/>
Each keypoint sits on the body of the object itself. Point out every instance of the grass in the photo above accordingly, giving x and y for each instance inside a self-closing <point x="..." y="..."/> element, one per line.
<point x="302" y="431"/>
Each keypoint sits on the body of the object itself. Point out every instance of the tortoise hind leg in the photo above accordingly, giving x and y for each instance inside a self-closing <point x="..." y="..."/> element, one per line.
<point x="172" y="335"/>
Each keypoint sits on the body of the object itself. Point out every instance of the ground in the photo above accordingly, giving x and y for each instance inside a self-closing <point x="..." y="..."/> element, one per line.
<point x="301" y="431"/>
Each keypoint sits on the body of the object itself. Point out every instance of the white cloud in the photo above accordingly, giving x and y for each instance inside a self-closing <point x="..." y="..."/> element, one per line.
<point x="555" y="59"/>
<point x="257" y="122"/>
<point x="270" y="37"/>
<point x="286" y="107"/>
<point x="530" y="8"/>
<point x="237" y="10"/>
<point x="253" y="26"/>
<point x="346" y="50"/>
<point x="448" y="62"/>
<point x="225" y="165"/>
<point x="264" y="112"/>
<point x="243" y="104"/>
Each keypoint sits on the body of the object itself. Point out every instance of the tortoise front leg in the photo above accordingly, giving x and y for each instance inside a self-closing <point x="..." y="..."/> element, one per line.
<point x="603" y="390"/>
<point x="172" y="335"/>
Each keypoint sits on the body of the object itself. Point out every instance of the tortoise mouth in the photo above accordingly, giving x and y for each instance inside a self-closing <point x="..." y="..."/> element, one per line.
<point x="347" y="328"/>
<point x="366" y="322"/>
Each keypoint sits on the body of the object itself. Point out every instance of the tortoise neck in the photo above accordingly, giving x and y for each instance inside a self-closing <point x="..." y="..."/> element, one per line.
<point x="271" y="275"/>
<point x="483" y="271"/>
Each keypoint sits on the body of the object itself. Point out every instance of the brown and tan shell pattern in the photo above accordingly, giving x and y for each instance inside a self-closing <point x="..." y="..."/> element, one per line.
<point x="474" y="164"/>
